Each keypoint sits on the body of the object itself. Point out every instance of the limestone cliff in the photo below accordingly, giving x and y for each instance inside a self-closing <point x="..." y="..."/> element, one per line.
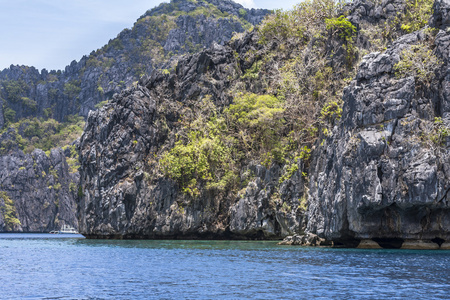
<point x="125" y="195"/>
<point x="375" y="169"/>
<point x="41" y="191"/>
<point x="383" y="172"/>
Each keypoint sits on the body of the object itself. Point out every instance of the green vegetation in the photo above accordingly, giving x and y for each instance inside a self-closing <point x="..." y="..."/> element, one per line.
<point x="29" y="104"/>
<point x="30" y="134"/>
<point x="346" y="31"/>
<point x="275" y="117"/>
<point x="101" y="104"/>
<point x="9" y="113"/>
<point x="216" y="145"/>
<point x="416" y="16"/>
<point x="331" y="112"/>
<point x="258" y="121"/>
<point x="8" y="211"/>
<point x="441" y="132"/>
<point x="277" y="114"/>
<point x="14" y="89"/>
<point x="204" y="157"/>
<point x="418" y="61"/>
<point x="72" y="88"/>
<point x="342" y="27"/>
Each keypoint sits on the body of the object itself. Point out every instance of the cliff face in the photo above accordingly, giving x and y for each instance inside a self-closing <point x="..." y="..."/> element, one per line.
<point x="125" y="195"/>
<point x="377" y="169"/>
<point x="41" y="191"/>
<point x="41" y="188"/>
<point x="384" y="174"/>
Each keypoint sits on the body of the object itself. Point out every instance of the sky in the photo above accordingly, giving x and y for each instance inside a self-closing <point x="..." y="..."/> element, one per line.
<point x="51" y="34"/>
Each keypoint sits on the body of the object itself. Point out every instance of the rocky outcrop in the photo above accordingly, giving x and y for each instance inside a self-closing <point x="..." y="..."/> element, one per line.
<point x="383" y="174"/>
<point x="125" y="196"/>
<point x="375" y="12"/>
<point x="308" y="239"/>
<point x="41" y="189"/>
<point x="441" y="15"/>
<point x="200" y="30"/>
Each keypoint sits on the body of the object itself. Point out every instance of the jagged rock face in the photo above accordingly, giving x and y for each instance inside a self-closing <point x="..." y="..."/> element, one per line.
<point x="373" y="11"/>
<point x="380" y="176"/>
<point x="441" y="14"/>
<point x="200" y="30"/>
<point x="45" y="180"/>
<point x="257" y="211"/>
<point x="125" y="196"/>
<point x="203" y="30"/>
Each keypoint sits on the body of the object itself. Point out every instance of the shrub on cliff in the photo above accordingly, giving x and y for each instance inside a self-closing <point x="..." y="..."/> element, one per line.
<point x="214" y="146"/>
<point x="346" y="31"/>
<point x="418" y="61"/>
<point x="257" y="120"/>
<point x="34" y="133"/>
<point x="416" y="16"/>
<point x="204" y="157"/>
<point x="8" y="211"/>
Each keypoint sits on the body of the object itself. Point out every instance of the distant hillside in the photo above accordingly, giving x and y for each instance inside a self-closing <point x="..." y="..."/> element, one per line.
<point x="168" y="30"/>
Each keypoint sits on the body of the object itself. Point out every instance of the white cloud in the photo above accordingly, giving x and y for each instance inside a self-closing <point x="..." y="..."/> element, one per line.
<point x="246" y="3"/>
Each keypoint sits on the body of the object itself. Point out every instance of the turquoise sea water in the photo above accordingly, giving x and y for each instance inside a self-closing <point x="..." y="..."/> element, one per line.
<point x="36" y="266"/>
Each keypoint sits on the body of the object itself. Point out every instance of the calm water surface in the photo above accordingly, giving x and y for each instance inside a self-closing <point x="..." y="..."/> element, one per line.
<point x="58" y="267"/>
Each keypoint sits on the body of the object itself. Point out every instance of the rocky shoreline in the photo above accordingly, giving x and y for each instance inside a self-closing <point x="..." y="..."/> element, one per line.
<point x="312" y="240"/>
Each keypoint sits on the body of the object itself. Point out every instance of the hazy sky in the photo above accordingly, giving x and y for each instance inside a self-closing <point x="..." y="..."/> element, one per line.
<point x="52" y="33"/>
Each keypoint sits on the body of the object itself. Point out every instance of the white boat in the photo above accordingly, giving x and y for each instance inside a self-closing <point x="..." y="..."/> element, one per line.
<point x="66" y="229"/>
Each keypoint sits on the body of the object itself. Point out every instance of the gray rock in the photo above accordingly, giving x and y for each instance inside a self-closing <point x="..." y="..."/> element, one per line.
<point x="441" y="14"/>
<point x="308" y="239"/>
<point x="379" y="176"/>
<point x="42" y="189"/>
<point x="124" y="196"/>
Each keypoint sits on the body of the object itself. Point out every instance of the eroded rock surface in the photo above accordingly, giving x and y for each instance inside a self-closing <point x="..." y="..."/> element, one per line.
<point x="380" y="178"/>
<point x="382" y="174"/>
<point x="42" y="190"/>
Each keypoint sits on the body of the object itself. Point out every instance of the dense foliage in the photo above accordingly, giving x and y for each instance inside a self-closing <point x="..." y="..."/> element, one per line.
<point x="215" y="146"/>
<point x="34" y="133"/>
<point x="8" y="211"/>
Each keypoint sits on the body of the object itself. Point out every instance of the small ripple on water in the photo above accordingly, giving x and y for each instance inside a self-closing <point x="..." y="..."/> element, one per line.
<point x="84" y="269"/>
